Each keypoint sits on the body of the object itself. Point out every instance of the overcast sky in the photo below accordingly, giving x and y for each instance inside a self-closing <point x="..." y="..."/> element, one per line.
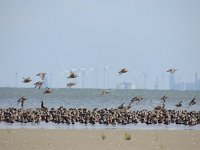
<point x="144" y="36"/>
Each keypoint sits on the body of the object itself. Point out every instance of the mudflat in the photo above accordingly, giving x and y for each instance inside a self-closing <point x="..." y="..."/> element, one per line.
<point x="98" y="139"/>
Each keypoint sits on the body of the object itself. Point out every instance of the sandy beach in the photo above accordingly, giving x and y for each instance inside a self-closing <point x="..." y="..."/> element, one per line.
<point x="57" y="139"/>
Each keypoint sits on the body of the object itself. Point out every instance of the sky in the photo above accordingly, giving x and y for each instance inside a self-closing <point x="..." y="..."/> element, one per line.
<point x="145" y="36"/>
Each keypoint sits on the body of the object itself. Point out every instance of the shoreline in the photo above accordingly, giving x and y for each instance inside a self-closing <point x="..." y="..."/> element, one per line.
<point x="77" y="126"/>
<point x="43" y="139"/>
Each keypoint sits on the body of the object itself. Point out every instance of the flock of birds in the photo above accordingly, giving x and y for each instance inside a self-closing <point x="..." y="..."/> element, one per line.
<point x="42" y="75"/>
<point x="118" y="115"/>
<point x="73" y="75"/>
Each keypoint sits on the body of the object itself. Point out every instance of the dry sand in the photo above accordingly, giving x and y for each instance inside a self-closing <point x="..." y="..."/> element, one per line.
<point x="68" y="139"/>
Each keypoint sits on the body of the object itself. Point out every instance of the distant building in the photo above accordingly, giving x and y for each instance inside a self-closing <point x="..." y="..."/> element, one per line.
<point x="173" y="85"/>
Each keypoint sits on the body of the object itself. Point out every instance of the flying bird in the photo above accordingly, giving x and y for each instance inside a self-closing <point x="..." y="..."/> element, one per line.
<point x="123" y="70"/>
<point x="192" y="102"/>
<point x="71" y="84"/>
<point x="179" y="104"/>
<point x="104" y="92"/>
<point x="41" y="75"/>
<point x="21" y="100"/>
<point x="164" y="98"/>
<point x="172" y="70"/>
<point x="38" y="84"/>
<point x="136" y="98"/>
<point x="27" y="80"/>
<point x="72" y="75"/>
<point x="47" y="90"/>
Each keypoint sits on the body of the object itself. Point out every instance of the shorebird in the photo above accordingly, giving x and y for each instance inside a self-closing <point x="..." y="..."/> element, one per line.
<point x="21" y="100"/>
<point x="160" y="107"/>
<point x="179" y="104"/>
<point x="104" y="92"/>
<point x="123" y="70"/>
<point x="172" y="70"/>
<point x="136" y="99"/>
<point x="192" y="102"/>
<point x="72" y="75"/>
<point x="121" y="106"/>
<point x="38" y="84"/>
<point x="42" y="106"/>
<point x="27" y="80"/>
<point x="71" y="84"/>
<point x="47" y="90"/>
<point x="41" y="75"/>
<point x="163" y="98"/>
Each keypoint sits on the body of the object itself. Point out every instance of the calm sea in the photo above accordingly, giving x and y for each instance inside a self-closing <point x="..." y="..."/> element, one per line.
<point x="92" y="98"/>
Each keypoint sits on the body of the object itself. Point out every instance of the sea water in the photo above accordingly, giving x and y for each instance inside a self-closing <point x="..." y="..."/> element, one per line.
<point x="92" y="98"/>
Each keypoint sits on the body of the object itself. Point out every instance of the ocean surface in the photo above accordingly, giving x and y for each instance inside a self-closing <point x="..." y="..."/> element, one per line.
<point x="92" y="98"/>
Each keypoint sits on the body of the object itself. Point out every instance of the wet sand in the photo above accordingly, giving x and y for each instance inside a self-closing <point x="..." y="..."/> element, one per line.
<point x="59" y="139"/>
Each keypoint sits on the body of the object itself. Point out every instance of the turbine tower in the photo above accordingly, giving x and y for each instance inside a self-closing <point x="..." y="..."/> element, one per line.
<point x="144" y="80"/>
<point x="83" y="72"/>
<point x="16" y="79"/>
<point x="106" y="76"/>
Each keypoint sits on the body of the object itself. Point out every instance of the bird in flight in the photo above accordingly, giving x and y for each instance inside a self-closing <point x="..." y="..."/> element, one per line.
<point x="38" y="84"/>
<point x="172" y="70"/>
<point x="69" y="85"/>
<point x="41" y="75"/>
<point x="21" y="100"/>
<point x="123" y="70"/>
<point x="104" y="92"/>
<point x="27" y="80"/>
<point x="164" y="98"/>
<point x="179" y="104"/>
<point x="47" y="90"/>
<point x="192" y="102"/>
<point x="72" y="75"/>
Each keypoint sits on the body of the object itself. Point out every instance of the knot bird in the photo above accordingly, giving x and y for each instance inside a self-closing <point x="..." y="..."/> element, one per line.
<point x="72" y="75"/>
<point x="21" y="100"/>
<point x="27" y="80"/>
<point x="38" y="84"/>
<point x="123" y="70"/>
<point x="71" y="84"/>
<point x="172" y="70"/>
<point x="41" y="75"/>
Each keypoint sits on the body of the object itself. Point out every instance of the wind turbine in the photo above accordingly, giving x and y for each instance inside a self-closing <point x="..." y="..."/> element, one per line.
<point x="16" y="79"/>
<point x="63" y="71"/>
<point x="106" y="76"/>
<point x="144" y="79"/>
<point x="83" y="72"/>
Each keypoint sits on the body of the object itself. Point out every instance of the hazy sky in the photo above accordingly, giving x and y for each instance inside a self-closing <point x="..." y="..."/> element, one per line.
<point x="144" y="36"/>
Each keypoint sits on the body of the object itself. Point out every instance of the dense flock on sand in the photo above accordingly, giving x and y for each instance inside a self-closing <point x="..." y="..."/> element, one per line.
<point x="119" y="115"/>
